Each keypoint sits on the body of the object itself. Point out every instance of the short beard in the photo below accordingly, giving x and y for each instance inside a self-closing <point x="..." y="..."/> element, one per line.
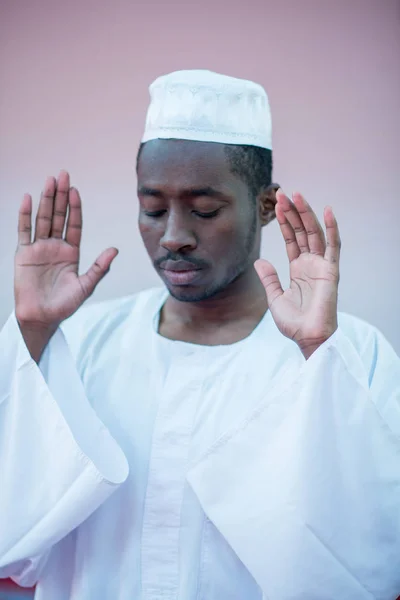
<point x="241" y="264"/>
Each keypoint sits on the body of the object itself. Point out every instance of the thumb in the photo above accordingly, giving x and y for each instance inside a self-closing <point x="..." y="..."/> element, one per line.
<point x="270" y="280"/>
<point x="97" y="271"/>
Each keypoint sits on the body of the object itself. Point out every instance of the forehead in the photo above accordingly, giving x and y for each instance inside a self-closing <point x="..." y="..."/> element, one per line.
<point x="184" y="164"/>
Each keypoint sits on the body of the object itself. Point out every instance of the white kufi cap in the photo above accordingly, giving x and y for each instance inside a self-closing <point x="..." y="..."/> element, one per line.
<point x="204" y="106"/>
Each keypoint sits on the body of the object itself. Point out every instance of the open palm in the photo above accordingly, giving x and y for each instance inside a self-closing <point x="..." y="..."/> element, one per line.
<point x="48" y="287"/>
<point x="307" y="311"/>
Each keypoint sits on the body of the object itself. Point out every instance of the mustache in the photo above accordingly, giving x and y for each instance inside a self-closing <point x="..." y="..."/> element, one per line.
<point x="175" y="257"/>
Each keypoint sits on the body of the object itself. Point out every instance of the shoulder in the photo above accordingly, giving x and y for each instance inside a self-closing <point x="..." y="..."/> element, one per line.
<point x="99" y="322"/>
<point x="377" y="355"/>
<point x="359" y="332"/>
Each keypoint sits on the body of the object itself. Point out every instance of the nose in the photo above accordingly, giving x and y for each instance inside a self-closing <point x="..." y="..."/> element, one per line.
<point x="178" y="236"/>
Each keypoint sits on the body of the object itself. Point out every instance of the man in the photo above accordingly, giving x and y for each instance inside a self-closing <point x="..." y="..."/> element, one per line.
<point x="216" y="439"/>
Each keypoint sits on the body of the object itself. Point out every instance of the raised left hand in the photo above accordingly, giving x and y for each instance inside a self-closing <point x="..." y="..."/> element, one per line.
<point x="307" y="311"/>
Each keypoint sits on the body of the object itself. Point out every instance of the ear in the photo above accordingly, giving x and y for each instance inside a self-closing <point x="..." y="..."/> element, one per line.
<point x="266" y="202"/>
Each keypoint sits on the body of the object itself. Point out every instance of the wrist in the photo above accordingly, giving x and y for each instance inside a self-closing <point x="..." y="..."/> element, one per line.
<point x="308" y="347"/>
<point x="308" y="351"/>
<point x="36" y="338"/>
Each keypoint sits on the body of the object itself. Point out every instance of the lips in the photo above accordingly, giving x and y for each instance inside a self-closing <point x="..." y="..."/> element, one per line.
<point x="178" y="266"/>
<point x="180" y="272"/>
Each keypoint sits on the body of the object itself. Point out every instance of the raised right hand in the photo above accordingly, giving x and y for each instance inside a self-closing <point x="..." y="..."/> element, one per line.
<point x="48" y="287"/>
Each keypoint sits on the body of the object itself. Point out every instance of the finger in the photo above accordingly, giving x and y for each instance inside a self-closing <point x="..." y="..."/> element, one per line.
<point x="315" y="233"/>
<point x="25" y="221"/>
<point x="73" y="231"/>
<point x="44" y="214"/>
<point x="97" y="271"/>
<point x="60" y="205"/>
<point x="332" y="252"/>
<point x="270" y="280"/>
<point x="288" y="234"/>
<point x="294" y="219"/>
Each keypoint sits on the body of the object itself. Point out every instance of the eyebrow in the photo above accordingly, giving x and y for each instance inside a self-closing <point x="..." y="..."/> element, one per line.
<point x="188" y="193"/>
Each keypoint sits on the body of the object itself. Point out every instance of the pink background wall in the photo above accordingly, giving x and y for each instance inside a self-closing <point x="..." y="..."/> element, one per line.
<point x="73" y="94"/>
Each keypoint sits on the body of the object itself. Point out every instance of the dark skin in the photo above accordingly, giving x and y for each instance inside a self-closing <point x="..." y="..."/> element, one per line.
<point x="217" y="297"/>
<point x="194" y="209"/>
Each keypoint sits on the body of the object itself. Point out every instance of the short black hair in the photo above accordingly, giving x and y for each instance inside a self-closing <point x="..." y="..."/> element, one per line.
<point x="252" y="164"/>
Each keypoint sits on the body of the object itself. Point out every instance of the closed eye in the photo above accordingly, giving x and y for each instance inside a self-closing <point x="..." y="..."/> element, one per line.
<point x="159" y="213"/>
<point x="154" y="213"/>
<point x="208" y="215"/>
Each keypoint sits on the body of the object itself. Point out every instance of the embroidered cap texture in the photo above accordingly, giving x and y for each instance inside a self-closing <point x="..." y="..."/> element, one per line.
<point x="205" y="106"/>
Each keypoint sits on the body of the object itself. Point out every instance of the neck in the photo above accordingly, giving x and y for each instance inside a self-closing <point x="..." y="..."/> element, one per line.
<point x="244" y="298"/>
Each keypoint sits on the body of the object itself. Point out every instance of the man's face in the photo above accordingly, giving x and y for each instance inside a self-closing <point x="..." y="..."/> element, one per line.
<point x="197" y="221"/>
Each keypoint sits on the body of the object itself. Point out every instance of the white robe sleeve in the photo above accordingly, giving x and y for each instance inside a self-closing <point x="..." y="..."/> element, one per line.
<point x="58" y="462"/>
<point x="307" y="489"/>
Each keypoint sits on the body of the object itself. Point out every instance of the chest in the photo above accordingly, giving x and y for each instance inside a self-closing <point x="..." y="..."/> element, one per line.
<point x="154" y="396"/>
<point x="166" y="409"/>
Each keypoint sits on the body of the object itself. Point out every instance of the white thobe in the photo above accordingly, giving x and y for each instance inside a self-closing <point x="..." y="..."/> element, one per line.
<point x="137" y="467"/>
